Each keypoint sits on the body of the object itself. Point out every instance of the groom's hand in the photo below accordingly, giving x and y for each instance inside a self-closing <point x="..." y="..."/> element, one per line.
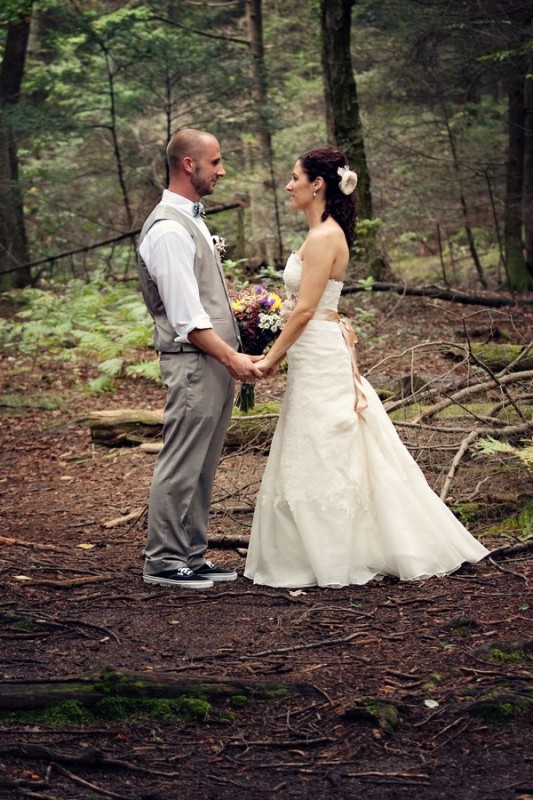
<point x="240" y="366"/>
<point x="243" y="368"/>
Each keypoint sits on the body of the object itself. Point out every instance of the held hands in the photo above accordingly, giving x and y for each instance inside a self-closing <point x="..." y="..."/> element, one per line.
<point x="268" y="367"/>
<point x="245" y="369"/>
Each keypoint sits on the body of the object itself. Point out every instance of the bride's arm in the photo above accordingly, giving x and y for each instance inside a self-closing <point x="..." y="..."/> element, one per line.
<point x="317" y="264"/>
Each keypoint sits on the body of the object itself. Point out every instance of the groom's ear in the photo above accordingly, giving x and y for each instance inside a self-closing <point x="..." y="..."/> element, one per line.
<point x="188" y="164"/>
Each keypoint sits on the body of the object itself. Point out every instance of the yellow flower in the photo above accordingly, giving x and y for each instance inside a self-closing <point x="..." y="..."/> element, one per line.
<point x="276" y="299"/>
<point x="236" y="305"/>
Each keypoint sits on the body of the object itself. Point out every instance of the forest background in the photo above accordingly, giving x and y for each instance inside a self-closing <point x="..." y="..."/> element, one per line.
<point x="431" y="101"/>
<point x="384" y="691"/>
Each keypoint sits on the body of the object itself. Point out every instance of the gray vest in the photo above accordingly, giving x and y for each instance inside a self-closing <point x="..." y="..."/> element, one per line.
<point x="211" y="284"/>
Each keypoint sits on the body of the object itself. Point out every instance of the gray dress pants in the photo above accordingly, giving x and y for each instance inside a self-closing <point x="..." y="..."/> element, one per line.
<point x="197" y="414"/>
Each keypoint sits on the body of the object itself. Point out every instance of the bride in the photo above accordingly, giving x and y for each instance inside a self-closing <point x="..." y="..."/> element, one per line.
<point x="341" y="500"/>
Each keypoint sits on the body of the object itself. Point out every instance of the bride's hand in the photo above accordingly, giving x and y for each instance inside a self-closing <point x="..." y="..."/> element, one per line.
<point x="267" y="367"/>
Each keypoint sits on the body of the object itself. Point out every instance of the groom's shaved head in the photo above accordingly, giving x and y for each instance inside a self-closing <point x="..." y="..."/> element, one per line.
<point x="188" y="142"/>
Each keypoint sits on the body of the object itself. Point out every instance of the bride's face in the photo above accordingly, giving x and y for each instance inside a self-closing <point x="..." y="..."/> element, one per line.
<point x="300" y="188"/>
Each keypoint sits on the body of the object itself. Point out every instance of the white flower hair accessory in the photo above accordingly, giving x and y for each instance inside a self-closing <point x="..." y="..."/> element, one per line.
<point x="348" y="179"/>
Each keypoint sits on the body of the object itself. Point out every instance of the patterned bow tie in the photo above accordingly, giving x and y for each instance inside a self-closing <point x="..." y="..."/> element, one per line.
<point x="198" y="210"/>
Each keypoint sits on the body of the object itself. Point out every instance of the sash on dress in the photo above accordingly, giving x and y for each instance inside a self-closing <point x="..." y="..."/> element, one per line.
<point x="350" y="339"/>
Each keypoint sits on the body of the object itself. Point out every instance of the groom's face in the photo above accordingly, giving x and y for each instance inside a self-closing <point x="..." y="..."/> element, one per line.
<point x="207" y="168"/>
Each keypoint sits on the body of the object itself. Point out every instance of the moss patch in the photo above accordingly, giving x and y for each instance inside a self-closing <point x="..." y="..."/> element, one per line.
<point x="501" y="706"/>
<point x="43" y="401"/>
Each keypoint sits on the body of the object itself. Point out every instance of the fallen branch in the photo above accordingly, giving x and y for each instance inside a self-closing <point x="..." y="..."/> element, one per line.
<point x="436" y="292"/>
<point x="465" y="444"/>
<point x="294" y="647"/>
<point x="86" y="785"/>
<point x="117" y="521"/>
<point x="468" y="391"/>
<point x="512" y="550"/>
<point x="94" y="758"/>
<point x="9" y="541"/>
<point x="229" y="540"/>
<point x="71" y="583"/>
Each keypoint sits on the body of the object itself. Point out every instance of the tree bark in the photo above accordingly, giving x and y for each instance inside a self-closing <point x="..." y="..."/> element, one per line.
<point x="517" y="274"/>
<point x="13" y="241"/>
<point x="345" y="128"/>
<point x="271" y="250"/>
<point x="462" y="199"/>
<point x="527" y="198"/>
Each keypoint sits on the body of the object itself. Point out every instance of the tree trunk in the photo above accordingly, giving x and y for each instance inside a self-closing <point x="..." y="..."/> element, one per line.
<point x="345" y="128"/>
<point x="271" y="247"/>
<point x="527" y="199"/>
<point x="13" y="242"/>
<point x="462" y="199"/>
<point x="517" y="274"/>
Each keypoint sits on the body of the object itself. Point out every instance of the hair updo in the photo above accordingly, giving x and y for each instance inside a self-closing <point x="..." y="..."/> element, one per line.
<point x="324" y="163"/>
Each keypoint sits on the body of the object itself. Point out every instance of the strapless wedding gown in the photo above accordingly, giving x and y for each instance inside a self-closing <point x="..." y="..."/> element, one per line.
<point x="342" y="501"/>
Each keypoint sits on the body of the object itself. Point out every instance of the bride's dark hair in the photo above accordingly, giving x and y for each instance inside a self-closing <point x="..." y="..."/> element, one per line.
<point x="324" y="162"/>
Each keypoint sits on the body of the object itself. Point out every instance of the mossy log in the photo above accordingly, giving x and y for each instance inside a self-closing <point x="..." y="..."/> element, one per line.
<point x="127" y="427"/>
<point x="89" y="690"/>
<point x="497" y="356"/>
<point x="381" y="713"/>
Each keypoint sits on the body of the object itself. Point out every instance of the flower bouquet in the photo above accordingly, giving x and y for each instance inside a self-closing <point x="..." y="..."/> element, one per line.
<point x="256" y="310"/>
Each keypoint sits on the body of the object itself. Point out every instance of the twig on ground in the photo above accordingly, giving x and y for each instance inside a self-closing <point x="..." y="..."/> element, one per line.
<point x="508" y="571"/>
<point x="80" y="782"/>
<point x="465" y="444"/>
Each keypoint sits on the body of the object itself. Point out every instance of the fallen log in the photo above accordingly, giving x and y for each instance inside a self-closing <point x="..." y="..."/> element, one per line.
<point x="125" y="427"/>
<point x="497" y="356"/>
<point x="89" y="690"/>
<point x="439" y="293"/>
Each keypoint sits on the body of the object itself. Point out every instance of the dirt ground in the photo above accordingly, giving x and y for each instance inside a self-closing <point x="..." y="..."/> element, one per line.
<point x="385" y="691"/>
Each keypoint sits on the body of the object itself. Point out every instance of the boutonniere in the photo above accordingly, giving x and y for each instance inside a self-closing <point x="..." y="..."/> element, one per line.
<point x="220" y="245"/>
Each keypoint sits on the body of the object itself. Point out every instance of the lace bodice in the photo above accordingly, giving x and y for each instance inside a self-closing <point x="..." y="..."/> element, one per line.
<point x="292" y="277"/>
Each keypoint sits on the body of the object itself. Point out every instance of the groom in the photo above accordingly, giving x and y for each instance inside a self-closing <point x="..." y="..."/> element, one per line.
<point x="197" y="338"/>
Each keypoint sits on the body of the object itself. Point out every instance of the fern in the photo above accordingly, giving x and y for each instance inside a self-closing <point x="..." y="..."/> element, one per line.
<point x="93" y="321"/>
<point x="149" y="370"/>
<point x="103" y="383"/>
<point x="491" y="446"/>
<point x="112" y="367"/>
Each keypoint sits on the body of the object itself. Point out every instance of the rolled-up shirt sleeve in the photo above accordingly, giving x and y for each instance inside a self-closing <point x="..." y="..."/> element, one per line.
<point x="168" y="251"/>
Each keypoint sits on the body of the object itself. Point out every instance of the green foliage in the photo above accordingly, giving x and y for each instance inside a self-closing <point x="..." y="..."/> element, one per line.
<point x="14" y="10"/>
<point x="490" y="447"/>
<point x="105" y="84"/>
<point x="115" y="707"/>
<point x="149" y="370"/>
<point x="108" y="323"/>
<point x="511" y="656"/>
<point x="182" y="709"/>
<point x="58" y="715"/>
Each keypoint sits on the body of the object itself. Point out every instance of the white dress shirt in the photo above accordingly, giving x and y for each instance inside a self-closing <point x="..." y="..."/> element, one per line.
<point x="168" y="251"/>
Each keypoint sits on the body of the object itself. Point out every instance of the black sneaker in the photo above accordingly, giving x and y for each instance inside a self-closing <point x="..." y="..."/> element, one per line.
<point x="214" y="573"/>
<point x="180" y="577"/>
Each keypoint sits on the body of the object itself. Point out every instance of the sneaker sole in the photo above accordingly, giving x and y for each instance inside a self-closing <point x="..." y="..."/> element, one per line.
<point x="223" y="578"/>
<point x="200" y="583"/>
